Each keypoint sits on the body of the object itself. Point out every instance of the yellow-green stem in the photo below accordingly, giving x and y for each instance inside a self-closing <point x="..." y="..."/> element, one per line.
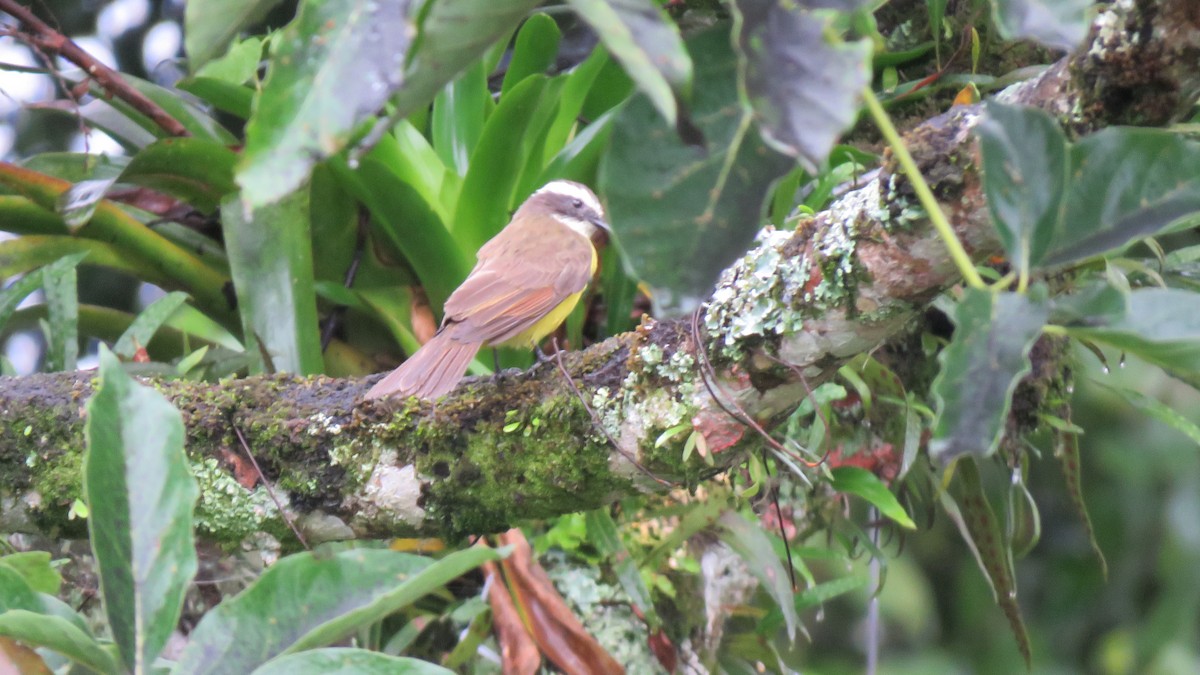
<point x="957" y="253"/>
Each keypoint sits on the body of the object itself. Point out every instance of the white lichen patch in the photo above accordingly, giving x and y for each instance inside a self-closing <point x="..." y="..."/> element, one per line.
<point x="392" y="492"/>
<point x="753" y="295"/>
<point x="324" y="425"/>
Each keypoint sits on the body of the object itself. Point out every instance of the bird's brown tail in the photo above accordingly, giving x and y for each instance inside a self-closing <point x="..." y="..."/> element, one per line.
<point x="431" y="372"/>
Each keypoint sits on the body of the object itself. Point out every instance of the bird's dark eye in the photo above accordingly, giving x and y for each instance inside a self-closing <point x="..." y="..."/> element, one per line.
<point x="577" y="203"/>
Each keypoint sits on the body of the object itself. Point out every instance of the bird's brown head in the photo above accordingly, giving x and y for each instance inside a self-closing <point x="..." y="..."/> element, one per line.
<point x="571" y="204"/>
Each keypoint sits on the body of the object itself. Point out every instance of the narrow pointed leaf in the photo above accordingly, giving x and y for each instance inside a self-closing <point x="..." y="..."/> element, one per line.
<point x="753" y="546"/>
<point x="147" y="323"/>
<point x="209" y="26"/>
<point x="332" y="68"/>
<point x="60" y="284"/>
<point x="140" y="495"/>
<point x="986" y="359"/>
<point x="858" y="481"/>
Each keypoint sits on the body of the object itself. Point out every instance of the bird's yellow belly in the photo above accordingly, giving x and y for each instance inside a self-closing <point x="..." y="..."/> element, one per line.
<point x="530" y="337"/>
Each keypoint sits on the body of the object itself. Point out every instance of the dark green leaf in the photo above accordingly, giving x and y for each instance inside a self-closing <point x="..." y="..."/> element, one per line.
<point x="59" y="283"/>
<point x="803" y="88"/>
<point x="1025" y="178"/>
<point x="270" y="257"/>
<point x="986" y="359"/>
<point x="1162" y="326"/>
<point x="452" y="35"/>
<point x="224" y="96"/>
<point x="1128" y="184"/>
<point x="147" y="324"/>
<point x="348" y="662"/>
<point x="209" y="26"/>
<point x="193" y="118"/>
<point x="140" y="495"/>
<point x="195" y="170"/>
<point x="29" y="252"/>
<point x="332" y="68"/>
<point x="753" y="546"/>
<point x="35" y="568"/>
<point x="238" y="65"/>
<point x="1055" y="23"/>
<point x="534" y="52"/>
<point x="858" y="481"/>
<point x="647" y="44"/>
<point x="306" y="601"/>
<point x="60" y="635"/>
<point x="669" y="201"/>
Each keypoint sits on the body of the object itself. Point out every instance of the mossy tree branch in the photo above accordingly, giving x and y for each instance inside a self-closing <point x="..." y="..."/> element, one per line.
<point x="524" y="445"/>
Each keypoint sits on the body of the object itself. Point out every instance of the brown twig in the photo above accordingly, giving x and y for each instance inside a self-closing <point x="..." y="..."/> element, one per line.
<point x="270" y="491"/>
<point x="596" y="420"/>
<point x="43" y="36"/>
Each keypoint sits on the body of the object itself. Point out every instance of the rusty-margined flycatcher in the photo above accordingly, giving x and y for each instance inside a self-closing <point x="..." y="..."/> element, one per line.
<point x="527" y="280"/>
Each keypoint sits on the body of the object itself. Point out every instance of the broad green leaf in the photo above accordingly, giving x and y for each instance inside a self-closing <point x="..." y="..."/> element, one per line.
<point x="60" y="285"/>
<point x="238" y="65"/>
<point x="570" y="102"/>
<point x="140" y="495"/>
<point x="59" y="635"/>
<point x="534" y="51"/>
<point x="270" y="256"/>
<point x="35" y="568"/>
<point x="196" y="120"/>
<point x="1162" y="326"/>
<point x="1025" y="177"/>
<point x="407" y="154"/>
<point x="602" y="533"/>
<point x="306" y="601"/>
<point x="346" y="661"/>
<point x="858" y="481"/>
<point x="647" y="44"/>
<point x="224" y="96"/>
<point x="802" y="85"/>
<point x="668" y="201"/>
<point x="195" y="170"/>
<point x="986" y="359"/>
<point x="1128" y="183"/>
<point x="982" y="529"/>
<point x="491" y="180"/>
<point x="210" y="26"/>
<point x="1055" y="23"/>
<point x="147" y="324"/>
<point x="331" y="69"/>
<point x="20" y="215"/>
<point x="753" y="546"/>
<point x="17" y="593"/>
<point x="451" y="36"/>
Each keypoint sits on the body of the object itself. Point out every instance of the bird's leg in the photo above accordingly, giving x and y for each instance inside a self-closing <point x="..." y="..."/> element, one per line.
<point x="496" y="360"/>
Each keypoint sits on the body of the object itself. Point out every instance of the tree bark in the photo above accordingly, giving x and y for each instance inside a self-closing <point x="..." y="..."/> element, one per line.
<point x="526" y="445"/>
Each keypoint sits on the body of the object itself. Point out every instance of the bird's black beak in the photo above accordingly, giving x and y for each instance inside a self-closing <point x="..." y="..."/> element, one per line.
<point x="604" y="233"/>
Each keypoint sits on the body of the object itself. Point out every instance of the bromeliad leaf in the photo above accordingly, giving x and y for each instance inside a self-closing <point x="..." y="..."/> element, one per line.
<point x="196" y="170"/>
<point x="647" y="44"/>
<point x="986" y="359"/>
<point x="270" y="257"/>
<point x="140" y="495"/>
<point x="147" y="324"/>
<point x="858" y="481"/>
<point x="1025" y="178"/>
<point x="802" y="88"/>
<point x="669" y="201"/>
<point x="332" y="68"/>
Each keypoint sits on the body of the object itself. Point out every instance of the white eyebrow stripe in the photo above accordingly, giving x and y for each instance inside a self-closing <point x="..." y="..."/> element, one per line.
<point x="574" y="191"/>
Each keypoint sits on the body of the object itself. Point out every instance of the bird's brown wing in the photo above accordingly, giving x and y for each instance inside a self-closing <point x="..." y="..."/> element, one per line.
<point x="521" y="275"/>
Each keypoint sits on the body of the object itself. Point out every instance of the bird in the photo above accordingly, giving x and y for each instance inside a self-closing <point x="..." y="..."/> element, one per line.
<point x="526" y="281"/>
